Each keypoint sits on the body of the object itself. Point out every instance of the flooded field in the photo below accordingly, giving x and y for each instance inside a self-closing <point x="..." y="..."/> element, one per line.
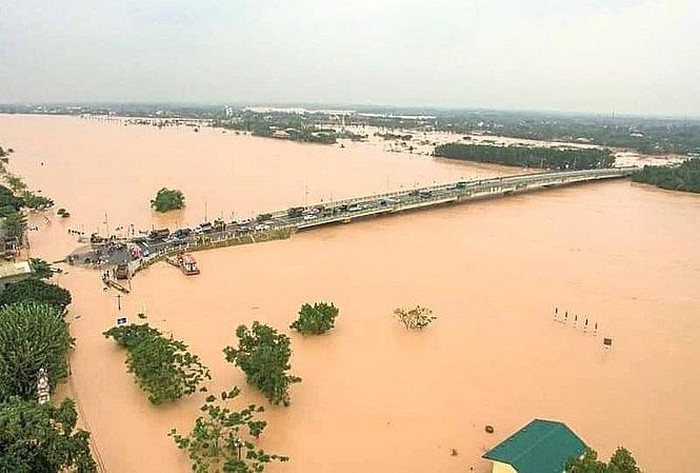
<point x="375" y="397"/>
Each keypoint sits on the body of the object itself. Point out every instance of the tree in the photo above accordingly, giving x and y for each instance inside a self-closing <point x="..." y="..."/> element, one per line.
<point x="168" y="199"/>
<point x="416" y="318"/>
<point x="14" y="224"/>
<point x="219" y="438"/>
<point x="315" y="319"/>
<point x="263" y="355"/>
<point x="42" y="269"/>
<point x="32" y="336"/>
<point x="36" y="290"/>
<point x="162" y="366"/>
<point x="42" y="438"/>
<point x="35" y="201"/>
<point x="620" y="462"/>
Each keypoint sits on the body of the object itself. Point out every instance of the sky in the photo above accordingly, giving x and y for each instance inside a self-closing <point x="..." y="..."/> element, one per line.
<point x="600" y="56"/>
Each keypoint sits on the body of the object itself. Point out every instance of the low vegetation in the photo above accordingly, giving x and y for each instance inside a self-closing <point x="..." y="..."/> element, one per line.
<point x="36" y="290"/>
<point x="32" y="336"/>
<point x="315" y="319"/>
<point x="682" y="177"/>
<point x="417" y="318"/>
<point x="263" y="355"/>
<point x="524" y="156"/>
<point x="42" y="438"/>
<point x="167" y="200"/>
<point x="162" y="366"/>
<point x="621" y="461"/>
<point x="225" y="440"/>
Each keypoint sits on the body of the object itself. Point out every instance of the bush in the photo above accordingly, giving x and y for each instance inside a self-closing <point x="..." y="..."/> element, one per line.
<point x="416" y="318"/>
<point x="36" y="290"/>
<point x="32" y="336"/>
<point x="263" y="355"/>
<point x="162" y="366"/>
<point x="315" y="319"/>
<point x="224" y="440"/>
<point x="168" y="199"/>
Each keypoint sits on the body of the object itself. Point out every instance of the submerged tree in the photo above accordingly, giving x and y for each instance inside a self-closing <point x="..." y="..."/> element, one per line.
<point x="224" y="440"/>
<point x="32" y="336"/>
<point x="42" y="438"/>
<point x="315" y="319"/>
<point x="263" y="355"/>
<point x="162" y="366"/>
<point x="416" y="318"/>
<point x="168" y="199"/>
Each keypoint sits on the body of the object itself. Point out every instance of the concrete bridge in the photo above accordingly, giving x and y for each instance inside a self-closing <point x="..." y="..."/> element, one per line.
<point x="282" y="223"/>
<point x="463" y="191"/>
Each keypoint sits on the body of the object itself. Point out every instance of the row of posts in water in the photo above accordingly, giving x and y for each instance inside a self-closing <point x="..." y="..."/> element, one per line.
<point x="574" y="319"/>
<point x="580" y="322"/>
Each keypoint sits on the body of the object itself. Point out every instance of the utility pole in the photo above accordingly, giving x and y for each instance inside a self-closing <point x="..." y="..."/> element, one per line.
<point x="119" y="302"/>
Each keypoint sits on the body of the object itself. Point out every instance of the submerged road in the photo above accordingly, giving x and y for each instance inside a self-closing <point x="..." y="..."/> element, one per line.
<point x="163" y="242"/>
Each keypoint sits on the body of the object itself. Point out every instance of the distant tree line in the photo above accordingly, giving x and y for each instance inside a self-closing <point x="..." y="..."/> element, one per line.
<point x="645" y="135"/>
<point x="682" y="177"/>
<point x="294" y="127"/>
<point x="522" y="156"/>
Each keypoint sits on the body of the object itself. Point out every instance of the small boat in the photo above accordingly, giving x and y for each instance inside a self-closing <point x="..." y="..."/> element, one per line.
<point x="185" y="262"/>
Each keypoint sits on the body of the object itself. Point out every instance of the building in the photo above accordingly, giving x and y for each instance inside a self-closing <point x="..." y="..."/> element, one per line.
<point x="542" y="446"/>
<point x="13" y="272"/>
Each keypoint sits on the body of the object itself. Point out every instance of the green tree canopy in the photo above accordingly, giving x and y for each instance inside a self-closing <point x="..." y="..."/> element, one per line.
<point x="42" y="438"/>
<point x="168" y="199"/>
<point x="315" y="319"/>
<point x="224" y="440"/>
<point x="36" y="290"/>
<point x="32" y="336"/>
<point x="682" y="177"/>
<point x="14" y="223"/>
<point x="620" y="462"/>
<point x="162" y="366"/>
<point x="263" y="355"/>
<point x="527" y="156"/>
<point x="42" y="269"/>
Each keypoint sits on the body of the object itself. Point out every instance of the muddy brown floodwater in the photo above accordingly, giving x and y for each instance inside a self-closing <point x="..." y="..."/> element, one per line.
<point x="374" y="396"/>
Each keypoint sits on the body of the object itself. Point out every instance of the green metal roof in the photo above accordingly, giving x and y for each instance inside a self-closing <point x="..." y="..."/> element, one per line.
<point x="542" y="446"/>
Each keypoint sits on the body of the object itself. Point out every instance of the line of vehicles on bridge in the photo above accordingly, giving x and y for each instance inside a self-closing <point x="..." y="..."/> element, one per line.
<point x="306" y="216"/>
<point x="293" y="216"/>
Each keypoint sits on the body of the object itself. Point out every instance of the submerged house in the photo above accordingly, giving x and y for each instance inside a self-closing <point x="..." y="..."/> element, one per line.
<point x="542" y="446"/>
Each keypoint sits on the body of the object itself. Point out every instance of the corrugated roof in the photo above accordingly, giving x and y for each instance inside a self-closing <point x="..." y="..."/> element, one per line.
<point x="542" y="446"/>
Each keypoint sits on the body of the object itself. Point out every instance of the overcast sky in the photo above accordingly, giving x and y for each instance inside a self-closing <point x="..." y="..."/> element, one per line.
<point x="627" y="56"/>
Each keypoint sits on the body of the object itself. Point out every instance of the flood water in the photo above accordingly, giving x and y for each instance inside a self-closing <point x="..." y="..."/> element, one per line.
<point x="374" y="396"/>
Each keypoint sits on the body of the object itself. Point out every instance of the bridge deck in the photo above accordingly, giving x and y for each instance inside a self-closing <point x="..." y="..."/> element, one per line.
<point x="282" y="223"/>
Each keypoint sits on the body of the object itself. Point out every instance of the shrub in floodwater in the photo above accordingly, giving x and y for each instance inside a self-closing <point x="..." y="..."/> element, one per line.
<point x="315" y="319"/>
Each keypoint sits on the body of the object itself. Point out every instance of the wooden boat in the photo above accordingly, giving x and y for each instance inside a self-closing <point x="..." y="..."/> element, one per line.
<point x="186" y="263"/>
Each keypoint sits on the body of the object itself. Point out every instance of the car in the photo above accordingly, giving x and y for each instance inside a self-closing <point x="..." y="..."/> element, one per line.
<point x="180" y="233"/>
<point x="245" y="221"/>
<point x="261" y="227"/>
<point x="309" y="217"/>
